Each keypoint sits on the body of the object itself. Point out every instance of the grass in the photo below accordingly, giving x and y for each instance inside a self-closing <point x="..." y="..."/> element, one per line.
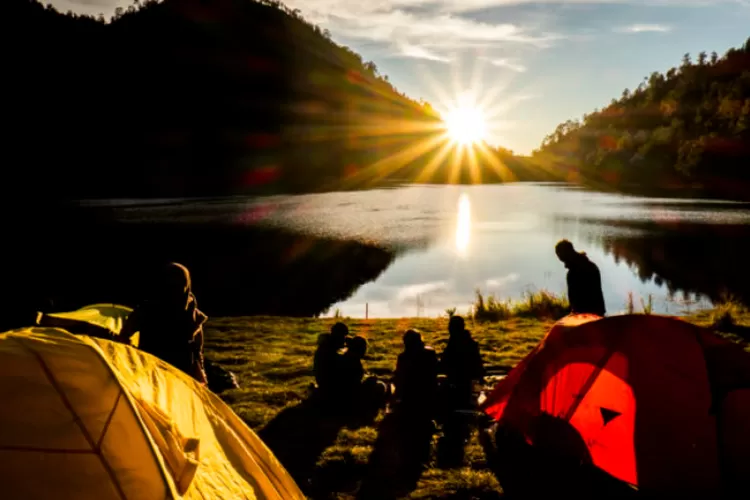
<point x="540" y="304"/>
<point x="272" y="356"/>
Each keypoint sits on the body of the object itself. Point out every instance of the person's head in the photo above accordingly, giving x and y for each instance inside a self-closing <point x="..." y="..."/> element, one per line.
<point x="456" y="325"/>
<point x="172" y="285"/>
<point x="412" y="340"/>
<point x="357" y="346"/>
<point x="565" y="251"/>
<point x="339" y="332"/>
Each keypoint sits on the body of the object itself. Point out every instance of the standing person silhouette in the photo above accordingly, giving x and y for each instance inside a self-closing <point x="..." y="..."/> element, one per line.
<point x="584" y="280"/>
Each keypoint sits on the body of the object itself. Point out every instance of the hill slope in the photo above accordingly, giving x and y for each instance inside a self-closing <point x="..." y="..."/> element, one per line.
<point x="687" y="128"/>
<point x="187" y="97"/>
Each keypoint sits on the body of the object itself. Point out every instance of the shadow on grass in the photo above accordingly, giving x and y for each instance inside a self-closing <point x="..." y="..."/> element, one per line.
<point x="300" y="434"/>
<point x="400" y="455"/>
<point x="558" y="465"/>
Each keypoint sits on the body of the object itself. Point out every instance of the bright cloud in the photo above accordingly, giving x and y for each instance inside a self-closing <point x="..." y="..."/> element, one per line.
<point x="645" y="28"/>
<point x="509" y="64"/>
<point x="424" y="29"/>
<point x="417" y="52"/>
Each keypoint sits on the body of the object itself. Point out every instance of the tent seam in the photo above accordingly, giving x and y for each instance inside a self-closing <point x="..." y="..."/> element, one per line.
<point x="171" y="493"/>
<point x="109" y="420"/>
<point x="46" y="450"/>
<point x="586" y="387"/>
<point x="76" y="418"/>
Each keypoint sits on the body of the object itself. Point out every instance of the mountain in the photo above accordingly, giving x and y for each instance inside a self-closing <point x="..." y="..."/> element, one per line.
<point x="683" y="132"/>
<point x="193" y="97"/>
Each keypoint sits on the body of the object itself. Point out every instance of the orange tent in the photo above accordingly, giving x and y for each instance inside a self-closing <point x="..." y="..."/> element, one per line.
<point x="655" y="402"/>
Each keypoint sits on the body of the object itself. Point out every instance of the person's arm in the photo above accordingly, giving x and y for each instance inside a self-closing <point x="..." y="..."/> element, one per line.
<point x="199" y="366"/>
<point x="398" y="374"/>
<point x="572" y="291"/>
<point x="443" y="361"/>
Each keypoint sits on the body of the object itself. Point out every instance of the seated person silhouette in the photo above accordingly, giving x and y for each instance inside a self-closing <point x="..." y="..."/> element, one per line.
<point x="415" y="377"/>
<point x="364" y="395"/>
<point x="462" y="365"/>
<point x="170" y="323"/>
<point x="327" y="362"/>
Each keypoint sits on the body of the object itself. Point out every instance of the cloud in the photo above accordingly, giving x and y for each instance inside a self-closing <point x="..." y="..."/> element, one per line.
<point x="509" y="64"/>
<point x="645" y="28"/>
<point x="421" y="289"/>
<point x="423" y="29"/>
<point x="502" y="280"/>
<point x="417" y="52"/>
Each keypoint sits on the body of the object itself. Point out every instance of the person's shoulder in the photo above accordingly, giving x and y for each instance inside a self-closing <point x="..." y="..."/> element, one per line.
<point x="592" y="266"/>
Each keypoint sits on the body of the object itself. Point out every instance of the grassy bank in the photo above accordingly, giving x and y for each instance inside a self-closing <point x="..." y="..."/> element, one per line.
<point x="273" y="357"/>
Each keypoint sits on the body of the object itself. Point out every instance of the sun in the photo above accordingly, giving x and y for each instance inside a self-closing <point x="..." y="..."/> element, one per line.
<point x="465" y="125"/>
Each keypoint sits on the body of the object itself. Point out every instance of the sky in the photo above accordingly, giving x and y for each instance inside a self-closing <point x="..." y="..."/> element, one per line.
<point x="528" y="65"/>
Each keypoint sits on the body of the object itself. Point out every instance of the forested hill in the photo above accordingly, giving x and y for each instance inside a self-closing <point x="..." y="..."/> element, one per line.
<point x="193" y="97"/>
<point x="686" y="130"/>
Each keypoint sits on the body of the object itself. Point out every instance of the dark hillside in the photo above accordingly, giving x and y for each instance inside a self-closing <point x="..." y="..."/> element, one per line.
<point x="188" y="97"/>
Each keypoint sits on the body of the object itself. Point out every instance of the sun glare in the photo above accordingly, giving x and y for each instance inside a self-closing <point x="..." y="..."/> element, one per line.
<point x="463" y="225"/>
<point x="466" y="125"/>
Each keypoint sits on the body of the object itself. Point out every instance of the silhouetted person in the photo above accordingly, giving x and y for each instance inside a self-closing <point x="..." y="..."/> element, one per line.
<point x="352" y="371"/>
<point x="170" y="323"/>
<point x="416" y="374"/>
<point x="584" y="281"/>
<point x="327" y="361"/>
<point x="461" y="363"/>
<point x="362" y="394"/>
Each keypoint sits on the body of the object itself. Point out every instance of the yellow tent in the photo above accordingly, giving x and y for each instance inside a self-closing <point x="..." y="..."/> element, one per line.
<point x="87" y="418"/>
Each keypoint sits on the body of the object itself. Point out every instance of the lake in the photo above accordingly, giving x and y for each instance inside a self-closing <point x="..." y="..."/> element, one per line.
<point x="453" y="240"/>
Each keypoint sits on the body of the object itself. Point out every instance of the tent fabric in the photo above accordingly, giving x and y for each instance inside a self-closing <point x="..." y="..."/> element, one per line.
<point x="654" y="401"/>
<point x="108" y="316"/>
<point x="88" y="418"/>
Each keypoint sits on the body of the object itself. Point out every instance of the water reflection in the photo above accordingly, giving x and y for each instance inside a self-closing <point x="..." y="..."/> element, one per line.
<point x="673" y="256"/>
<point x="463" y="224"/>
<point x="499" y="239"/>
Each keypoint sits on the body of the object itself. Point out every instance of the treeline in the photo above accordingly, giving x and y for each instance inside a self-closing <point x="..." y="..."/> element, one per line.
<point x="687" y="129"/>
<point x="185" y="97"/>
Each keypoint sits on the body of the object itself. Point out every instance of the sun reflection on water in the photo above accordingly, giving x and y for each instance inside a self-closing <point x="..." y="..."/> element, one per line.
<point x="463" y="225"/>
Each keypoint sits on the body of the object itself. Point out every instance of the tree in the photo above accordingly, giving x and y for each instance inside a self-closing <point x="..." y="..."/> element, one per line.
<point x="691" y="124"/>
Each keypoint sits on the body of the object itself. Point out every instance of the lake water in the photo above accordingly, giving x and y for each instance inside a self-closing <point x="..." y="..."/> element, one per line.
<point x="453" y="240"/>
